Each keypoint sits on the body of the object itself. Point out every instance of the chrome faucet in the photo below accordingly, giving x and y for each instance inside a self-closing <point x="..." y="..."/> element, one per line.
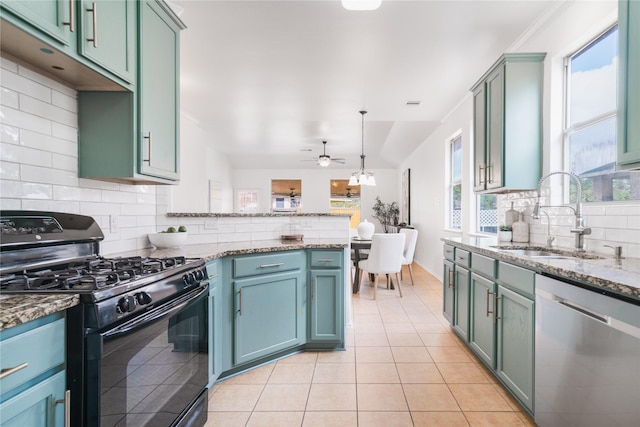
<point x="579" y="230"/>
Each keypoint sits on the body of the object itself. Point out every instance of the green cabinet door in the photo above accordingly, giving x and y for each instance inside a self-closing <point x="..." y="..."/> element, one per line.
<point x="515" y="358"/>
<point x="107" y="35"/>
<point x="158" y="90"/>
<point x="494" y="128"/>
<point x="56" y="19"/>
<point x="326" y="305"/>
<point x="38" y="405"/>
<point x="448" y="291"/>
<point x="269" y="315"/>
<point x="482" y="335"/>
<point x="629" y="85"/>
<point x="507" y="124"/>
<point x="461" y="305"/>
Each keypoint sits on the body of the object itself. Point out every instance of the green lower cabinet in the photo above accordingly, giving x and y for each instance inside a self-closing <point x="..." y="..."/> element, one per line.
<point x="326" y="306"/>
<point x="448" y="291"/>
<point x="269" y="315"/>
<point x="461" y="305"/>
<point x="482" y="326"/>
<point x="515" y="344"/>
<point x="37" y="406"/>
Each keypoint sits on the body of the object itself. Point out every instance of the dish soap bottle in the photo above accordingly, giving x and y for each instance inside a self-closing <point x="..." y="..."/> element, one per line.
<point x="511" y="216"/>
<point x="520" y="230"/>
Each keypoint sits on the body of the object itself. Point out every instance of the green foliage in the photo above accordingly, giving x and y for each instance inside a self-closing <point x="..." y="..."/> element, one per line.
<point x="385" y="212"/>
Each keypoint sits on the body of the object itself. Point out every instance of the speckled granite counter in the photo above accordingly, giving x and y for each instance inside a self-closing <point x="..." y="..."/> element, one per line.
<point x="18" y="309"/>
<point x="621" y="276"/>
<point x="211" y="251"/>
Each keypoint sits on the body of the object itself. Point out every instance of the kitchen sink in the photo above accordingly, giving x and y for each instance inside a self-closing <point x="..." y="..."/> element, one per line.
<point x="547" y="253"/>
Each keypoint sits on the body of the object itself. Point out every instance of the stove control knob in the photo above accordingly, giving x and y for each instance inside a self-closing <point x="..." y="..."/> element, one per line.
<point x="143" y="298"/>
<point x="126" y="304"/>
<point x="189" y="279"/>
<point x="199" y="275"/>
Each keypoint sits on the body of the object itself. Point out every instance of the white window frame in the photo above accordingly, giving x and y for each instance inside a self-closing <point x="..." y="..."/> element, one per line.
<point x="449" y="180"/>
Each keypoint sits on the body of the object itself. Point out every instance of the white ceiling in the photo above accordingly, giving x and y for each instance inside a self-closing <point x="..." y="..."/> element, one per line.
<point x="270" y="79"/>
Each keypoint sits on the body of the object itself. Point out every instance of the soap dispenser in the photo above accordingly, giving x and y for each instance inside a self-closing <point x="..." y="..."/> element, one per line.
<point x="520" y="230"/>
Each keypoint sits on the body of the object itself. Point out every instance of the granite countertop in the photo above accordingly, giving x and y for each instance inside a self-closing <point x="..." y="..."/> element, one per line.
<point x="601" y="271"/>
<point x="211" y="251"/>
<point x="18" y="309"/>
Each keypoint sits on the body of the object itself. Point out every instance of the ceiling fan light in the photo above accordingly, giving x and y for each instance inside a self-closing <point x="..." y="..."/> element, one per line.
<point x="361" y="4"/>
<point x="324" y="160"/>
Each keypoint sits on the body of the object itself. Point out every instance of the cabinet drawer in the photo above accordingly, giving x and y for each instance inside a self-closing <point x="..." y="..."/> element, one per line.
<point x="463" y="257"/>
<point x="447" y="252"/>
<point x="517" y="278"/>
<point x="267" y="263"/>
<point x="327" y="259"/>
<point x="484" y="265"/>
<point x="41" y="348"/>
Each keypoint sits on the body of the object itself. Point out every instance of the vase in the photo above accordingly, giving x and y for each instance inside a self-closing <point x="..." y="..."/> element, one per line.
<point x="505" y="236"/>
<point x="366" y="229"/>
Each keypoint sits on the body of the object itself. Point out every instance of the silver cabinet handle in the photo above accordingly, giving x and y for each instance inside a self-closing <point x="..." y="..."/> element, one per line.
<point x="495" y="307"/>
<point x="490" y="174"/>
<point x="213" y="276"/>
<point x="94" y="11"/>
<point x="277" y="264"/>
<point x="313" y="288"/>
<point x="480" y="169"/>
<point x="72" y="19"/>
<point x="451" y="282"/>
<point x="489" y="311"/>
<point x="67" y="407"/>
<point x="148" y="136"/>
<point x="5" y="372"/>
<point x="325" y="260"/>
<point x="240" y="308"/>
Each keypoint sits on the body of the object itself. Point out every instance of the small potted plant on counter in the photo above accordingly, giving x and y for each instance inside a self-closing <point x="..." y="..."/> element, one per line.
<point x="505" y="234"/>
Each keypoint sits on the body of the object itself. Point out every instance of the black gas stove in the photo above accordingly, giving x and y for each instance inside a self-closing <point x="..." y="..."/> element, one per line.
<point x="129" y="306"/>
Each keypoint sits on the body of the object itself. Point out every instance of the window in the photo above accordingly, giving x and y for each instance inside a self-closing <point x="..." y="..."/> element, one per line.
<point x="455" y="189"/>
<point x="487" y="209"/>
<point x="590" y="122"/>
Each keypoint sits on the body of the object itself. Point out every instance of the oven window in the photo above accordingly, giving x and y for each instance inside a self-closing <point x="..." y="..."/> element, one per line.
<point x="151" y="375"/>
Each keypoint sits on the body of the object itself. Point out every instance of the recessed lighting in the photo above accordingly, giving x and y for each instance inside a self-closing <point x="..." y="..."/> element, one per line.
<point x="413" y="102"/>
<point x="361" y="4"/>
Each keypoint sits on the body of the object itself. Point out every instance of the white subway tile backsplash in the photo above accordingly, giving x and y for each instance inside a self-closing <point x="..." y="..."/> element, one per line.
<point x="9" y="170"/>
<point x="49" y="143"/>
<point x="9" y="98"/>
<point x="51" y="205"/>
<point x="623" y="209"/>
<point x="62" y="131"/>
<point x="22" y="120"/>
<point x="26" y="190"/>
<point x="48" y="175"/>
<point x="93" y="209"/>
<point x="44" y="80"/>
<point x="10" y="204"/>
<point x="8" y="65"/>
<point x="9" y="134"/>
<point x="118" y="197"/>
<point x="64" y="101"/>
<point x="25" y="155"/>
<point x="46" y="109"/>
<point x="627" y="236"/>
<point x="25" y="86"/>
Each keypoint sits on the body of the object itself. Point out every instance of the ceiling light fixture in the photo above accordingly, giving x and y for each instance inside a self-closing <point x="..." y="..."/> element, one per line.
<point x="362" y="177"/>
<point x="323" y="159"/>
<point x="361" y="4"/>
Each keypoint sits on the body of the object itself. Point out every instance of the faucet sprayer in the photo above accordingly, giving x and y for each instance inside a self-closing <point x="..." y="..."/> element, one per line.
<point x="580" y="230"/>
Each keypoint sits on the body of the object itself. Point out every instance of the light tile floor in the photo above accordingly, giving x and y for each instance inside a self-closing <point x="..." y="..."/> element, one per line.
<point x="403" y="366"/>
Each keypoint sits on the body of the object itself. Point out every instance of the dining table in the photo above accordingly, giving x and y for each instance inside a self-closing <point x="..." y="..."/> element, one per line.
<point x="359" y="247"/>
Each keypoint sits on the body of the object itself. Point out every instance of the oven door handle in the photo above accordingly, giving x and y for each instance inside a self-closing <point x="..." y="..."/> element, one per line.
<point x="157" y="314"/>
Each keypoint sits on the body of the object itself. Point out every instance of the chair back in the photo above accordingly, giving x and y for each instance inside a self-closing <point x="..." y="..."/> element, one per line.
<point x="411" y="237"/>
<point x="385" y="255"/>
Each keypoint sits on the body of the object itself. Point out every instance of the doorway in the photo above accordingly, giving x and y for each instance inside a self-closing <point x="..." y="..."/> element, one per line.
<point x="345" y="199"/>
<point x="286" y="196"/>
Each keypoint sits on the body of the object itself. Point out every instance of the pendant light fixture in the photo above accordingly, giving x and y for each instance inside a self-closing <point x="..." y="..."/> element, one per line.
<point x="361" y="4"/>
<point x="362" y="177"/>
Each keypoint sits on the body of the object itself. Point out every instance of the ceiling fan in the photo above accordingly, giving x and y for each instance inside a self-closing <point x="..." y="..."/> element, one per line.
<point x="324" y="159"/>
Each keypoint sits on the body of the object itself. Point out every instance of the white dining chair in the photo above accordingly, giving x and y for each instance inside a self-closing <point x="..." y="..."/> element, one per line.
<point x="385" y="257"/>
<point x="411" y="237"/>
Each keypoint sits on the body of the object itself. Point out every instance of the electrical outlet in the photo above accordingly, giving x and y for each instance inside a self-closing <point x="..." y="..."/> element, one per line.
<point x="114" y="223"/>
<point x="211" y="224"/>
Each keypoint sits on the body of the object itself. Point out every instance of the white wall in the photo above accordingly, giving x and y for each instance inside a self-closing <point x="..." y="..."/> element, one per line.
<point x="199" y="164"/>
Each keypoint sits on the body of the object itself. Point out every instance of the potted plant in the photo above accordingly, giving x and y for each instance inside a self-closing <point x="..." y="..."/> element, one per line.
<point x="385" y="213"/>
<point x="505" y="234"/>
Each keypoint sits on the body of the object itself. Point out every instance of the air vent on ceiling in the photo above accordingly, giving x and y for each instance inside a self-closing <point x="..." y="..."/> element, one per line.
<point x="413" y="102"/>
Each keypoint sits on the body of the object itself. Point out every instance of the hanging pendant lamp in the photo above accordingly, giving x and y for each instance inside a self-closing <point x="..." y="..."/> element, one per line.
<point x="362" y="177"/>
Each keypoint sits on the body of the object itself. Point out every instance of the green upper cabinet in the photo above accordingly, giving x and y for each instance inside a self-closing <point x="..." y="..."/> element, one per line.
<point x="56" y="19"/>
<point x="158" y="91"/>
<point x="107" y="32"/>
<point x="629" y="85"/>
<point x="132" y="136"/>
<point x="507" y="114"/>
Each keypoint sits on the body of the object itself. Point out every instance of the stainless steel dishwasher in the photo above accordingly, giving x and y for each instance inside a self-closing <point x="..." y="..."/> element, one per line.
<point x="587" y="364"/>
